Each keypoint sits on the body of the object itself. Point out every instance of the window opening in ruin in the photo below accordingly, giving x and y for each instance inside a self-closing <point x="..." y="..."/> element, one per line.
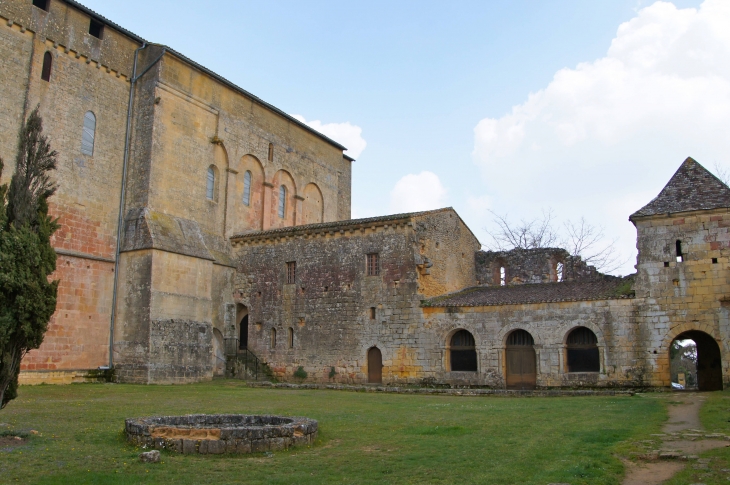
<point x="42" y="4"/>
<point x="462" y="352"/>
<point x="502" y="276"/>
<point x="210" y="189"/>
<point x="96" y="29"/>
<point x="47" y="64"/>
<point x="372" y="313"/>
<point x="291" y="337"/>
<point x="271" y="152"/>
<point x="247" y="188"/>
<point x="666" y="264"/>
<point x="714" y="260"/>
<point x="704" y="359"/>
<point x="680" y="256"/>
<point x="243" y="333"/>
<point x="373" y="264"/>
<point x="273" y="338"/>
<point x="582" y="351"/>
<point x="326" y="288"/>
<point x="559" y="269"/>
<point x="88" y="134"/>
<point x="282" y="201"/>
<point x="521" y="361"/>
<point x="291" y="272"/>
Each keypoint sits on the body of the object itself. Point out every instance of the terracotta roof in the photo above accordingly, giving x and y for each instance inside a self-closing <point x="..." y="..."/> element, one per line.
<point x="691" y="188"/>
<point x="606" y="288"/>
<point x="335" y="224"/>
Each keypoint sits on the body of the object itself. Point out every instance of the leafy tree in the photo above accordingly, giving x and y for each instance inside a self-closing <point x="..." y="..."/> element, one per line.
<point x="27" y="297"/>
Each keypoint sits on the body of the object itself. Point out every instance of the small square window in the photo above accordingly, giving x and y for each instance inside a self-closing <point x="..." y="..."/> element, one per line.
<point x="96" y="29"/>
<point x="666" y="264"/>
<point x="42" y="4"/>
<point x="714" y="260"/>
<point x="291" y="272"/>
<point x="373" y="264"/>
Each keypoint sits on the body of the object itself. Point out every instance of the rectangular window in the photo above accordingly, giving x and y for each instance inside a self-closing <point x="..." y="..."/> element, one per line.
<point x="373" y="264"/>
<point x="96" y="29"/>
<point x="372" y="313"/>
<point x="42" y="4"/>
<point x="291" y="272"/>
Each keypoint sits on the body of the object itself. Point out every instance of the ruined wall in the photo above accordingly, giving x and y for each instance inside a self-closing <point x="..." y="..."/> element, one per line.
<point x="526" y="266"/>
<point x="687" y="295"/>
<point x="88" y="74"/>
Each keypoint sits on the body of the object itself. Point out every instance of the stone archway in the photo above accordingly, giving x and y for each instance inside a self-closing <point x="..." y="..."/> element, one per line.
<point x="709" y="360"/>
<point x="242" y="325"/>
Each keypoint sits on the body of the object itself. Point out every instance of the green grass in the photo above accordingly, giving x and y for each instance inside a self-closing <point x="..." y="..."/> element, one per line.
<point x="365" y="438"/>
<point x="715" y="417"/>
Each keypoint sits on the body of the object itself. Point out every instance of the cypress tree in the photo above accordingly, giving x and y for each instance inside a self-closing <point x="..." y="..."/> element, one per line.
<point x="27" y="297"/>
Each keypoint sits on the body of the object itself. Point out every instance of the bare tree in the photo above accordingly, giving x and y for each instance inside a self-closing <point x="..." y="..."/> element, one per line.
<point x="587" y="241"/>
<point x="532" y="234"/>
<point x="579" y="239"/>
<point x="722" y="173"/>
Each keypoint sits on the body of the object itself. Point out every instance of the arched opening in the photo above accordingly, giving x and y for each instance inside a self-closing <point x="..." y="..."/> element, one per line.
<point x="375" y="365"/>
<point x="273" y="338"/>
<point x="47" y="64"/>
<point x="680" y="254"/>
<point x="219" y="356"/>
<point x="707" y="360"/>
<point x="462" y="352"/>
<point x="282" y="201"/>
<point x="521" y="362"/>
<point x="582" y="351"/>
<point x="211" y="188"/>
<point x="312" y="206"/>
<point x="242" y="322"/>
<point x="500" y="274"/>
<point x="247" y="188"/>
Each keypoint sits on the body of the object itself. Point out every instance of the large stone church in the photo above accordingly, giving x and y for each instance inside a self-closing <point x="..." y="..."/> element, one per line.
<point x="200" y="223"/>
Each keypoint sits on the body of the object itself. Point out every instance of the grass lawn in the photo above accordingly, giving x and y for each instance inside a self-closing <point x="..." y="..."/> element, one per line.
<point x="363" y="437"/>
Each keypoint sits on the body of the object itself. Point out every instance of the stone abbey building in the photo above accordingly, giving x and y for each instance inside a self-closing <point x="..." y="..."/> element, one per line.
<point x="198" y="222"/>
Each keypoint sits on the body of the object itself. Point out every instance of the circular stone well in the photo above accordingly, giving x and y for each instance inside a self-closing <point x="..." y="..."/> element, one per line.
<point x="221" y="433"/>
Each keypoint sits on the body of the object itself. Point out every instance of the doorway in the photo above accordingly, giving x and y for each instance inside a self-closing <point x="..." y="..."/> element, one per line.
<point x="242" y="320"/>
<point x="375" y="366"/>
<point x="696" y="356"/>
<point x="521" y="362"/>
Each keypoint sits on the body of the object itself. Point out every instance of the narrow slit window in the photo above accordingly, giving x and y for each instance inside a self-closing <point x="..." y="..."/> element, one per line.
<point x="372" y="313"/>
<point x="373" y="264"/>
<point x="87" y="137"/>
<point x="273" y="338"/>
<point x="47" y="65"/>
<point x="271" y="152"/>
<point x="291" y="272"/>
<point x="96" y="29"/>
<point x="247" y="188"/>
<point x="291" y="338"/>
<point x="502" y="275"/>
<point x="559" y="270"/>
<point x="282" y="201"/>
<point x="680" y="255"/>
<point x="210" y="187"/>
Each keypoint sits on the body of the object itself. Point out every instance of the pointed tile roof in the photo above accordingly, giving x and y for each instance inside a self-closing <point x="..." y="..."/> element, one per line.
<point x="691" y="188"/>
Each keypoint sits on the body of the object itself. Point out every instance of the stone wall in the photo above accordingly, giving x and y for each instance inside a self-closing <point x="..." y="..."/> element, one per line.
<point x="525" y="266"/>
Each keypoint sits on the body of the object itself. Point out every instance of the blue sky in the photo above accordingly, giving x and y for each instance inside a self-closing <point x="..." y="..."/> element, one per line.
<point x="441" y="88"/>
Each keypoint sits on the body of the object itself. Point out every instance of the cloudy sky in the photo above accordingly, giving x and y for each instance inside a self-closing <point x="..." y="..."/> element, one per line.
<point x="585" y="108"/>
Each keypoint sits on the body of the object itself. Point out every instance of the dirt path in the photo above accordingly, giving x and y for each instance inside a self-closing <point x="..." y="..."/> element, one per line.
<point x="682" y="439"/>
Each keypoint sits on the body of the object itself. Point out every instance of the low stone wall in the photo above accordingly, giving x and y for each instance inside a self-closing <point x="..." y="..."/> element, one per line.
<point x="451" y="391"/>
<point x="221" y="433"/>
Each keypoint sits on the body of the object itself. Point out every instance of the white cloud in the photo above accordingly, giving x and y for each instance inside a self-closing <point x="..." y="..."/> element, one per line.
<point x="602" y="139"/>
<point x="345" y="134"/>
<point x="417" y="193"/>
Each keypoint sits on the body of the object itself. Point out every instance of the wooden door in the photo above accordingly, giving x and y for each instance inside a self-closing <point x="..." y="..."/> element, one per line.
<point x="375" y="365"/>
<point x="521" y="368"/>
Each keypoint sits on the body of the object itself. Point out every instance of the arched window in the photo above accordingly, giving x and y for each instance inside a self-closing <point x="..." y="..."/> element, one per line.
<point x="282" y="201"/>
<point x="680" y="255"/>
<point x="463" y="352"/>
<point x="210" y="188"/>
<point x="247" y="188"/>
<point x="291" y="337"/>
<point x="273" y="338"/>
<point x="271" y="152"/>
<point x="583" y="351"/>
<point x="47" y="64"/>
<point x="87" y="136"/>
<point x="520" y="360"/>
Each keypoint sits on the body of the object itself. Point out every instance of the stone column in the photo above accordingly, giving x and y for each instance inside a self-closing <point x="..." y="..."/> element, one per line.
<point x="298" y="210"/>
<point x="267" y="205"/>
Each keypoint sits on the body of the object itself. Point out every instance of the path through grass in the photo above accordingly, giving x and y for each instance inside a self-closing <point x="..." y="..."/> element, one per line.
<point x="364" y="438"/>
